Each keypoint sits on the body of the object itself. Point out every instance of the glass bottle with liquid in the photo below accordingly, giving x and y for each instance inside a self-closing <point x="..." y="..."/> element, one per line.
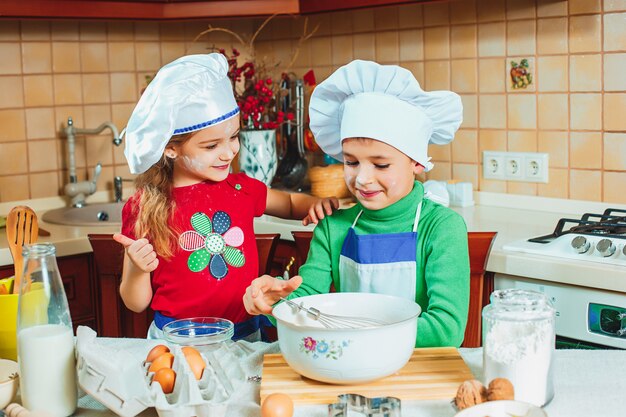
<point x="45" y="339"/>
<point x="519" y="342"/>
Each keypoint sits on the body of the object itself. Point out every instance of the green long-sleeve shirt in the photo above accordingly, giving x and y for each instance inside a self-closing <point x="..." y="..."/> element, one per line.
<point x="442" y="281"/>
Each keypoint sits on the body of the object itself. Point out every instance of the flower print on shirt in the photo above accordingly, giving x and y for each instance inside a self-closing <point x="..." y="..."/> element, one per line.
<point x="213" y="243"/>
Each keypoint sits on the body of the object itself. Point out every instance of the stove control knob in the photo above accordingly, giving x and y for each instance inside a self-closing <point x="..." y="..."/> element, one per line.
<point x="580" y="244"/>
<point x="605" y="247"/>
<point x="624" y="250"/>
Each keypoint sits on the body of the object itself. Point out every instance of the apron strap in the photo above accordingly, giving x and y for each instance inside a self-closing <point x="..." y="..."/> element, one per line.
<point x="356" y="218"/>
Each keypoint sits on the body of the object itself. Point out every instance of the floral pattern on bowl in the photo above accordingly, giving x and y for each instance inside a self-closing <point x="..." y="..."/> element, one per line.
<point x="322" y="348"/>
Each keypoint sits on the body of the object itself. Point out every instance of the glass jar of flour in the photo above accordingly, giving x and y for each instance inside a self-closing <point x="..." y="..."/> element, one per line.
<point x="518" y="343"/>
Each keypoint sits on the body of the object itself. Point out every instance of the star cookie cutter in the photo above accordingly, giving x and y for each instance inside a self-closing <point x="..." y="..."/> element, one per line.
<point x="369" y="407"/>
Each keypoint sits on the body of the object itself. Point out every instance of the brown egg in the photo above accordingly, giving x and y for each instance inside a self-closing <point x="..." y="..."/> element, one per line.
<point x="277" y="405"/>
<point x="156" y="351"/>
<point x="195" y="361"/>
<point x="167" y="378"/>
<point x="164" y="361"/>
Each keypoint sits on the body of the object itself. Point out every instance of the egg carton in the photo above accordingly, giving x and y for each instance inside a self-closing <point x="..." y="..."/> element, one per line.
<point x="114" y="372"/>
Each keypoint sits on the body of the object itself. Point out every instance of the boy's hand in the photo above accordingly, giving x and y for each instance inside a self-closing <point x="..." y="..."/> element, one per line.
<point x="322" y="207"/>
<point x="265" y="291"/>
<point x="140" y="252"/>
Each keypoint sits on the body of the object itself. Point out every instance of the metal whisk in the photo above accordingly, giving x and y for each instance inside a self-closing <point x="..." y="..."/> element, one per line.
<point x="331" y="321"/>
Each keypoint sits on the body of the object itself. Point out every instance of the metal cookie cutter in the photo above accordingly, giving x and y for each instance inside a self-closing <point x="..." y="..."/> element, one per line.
<point x="369" y="407"/>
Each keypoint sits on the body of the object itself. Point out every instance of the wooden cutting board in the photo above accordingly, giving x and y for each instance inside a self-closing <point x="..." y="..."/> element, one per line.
<point x="431" y="373"/>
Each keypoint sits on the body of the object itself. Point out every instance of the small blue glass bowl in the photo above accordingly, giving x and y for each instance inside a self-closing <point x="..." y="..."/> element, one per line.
<point x="199" y="331"/>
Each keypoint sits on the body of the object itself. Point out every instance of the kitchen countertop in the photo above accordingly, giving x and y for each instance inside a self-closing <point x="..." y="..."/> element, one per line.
<point x="513" y="217"/>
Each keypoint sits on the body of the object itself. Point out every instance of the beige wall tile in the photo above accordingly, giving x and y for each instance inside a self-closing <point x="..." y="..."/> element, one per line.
<point x="490" y="10"/>
<point x="614" y="67"/>
<point x="282" y="51"/>
<point x="584" y="72"/>
<point x="522" y="188"/>
<point x="42" y="155"/>
<point x="40" y="123"/>
<point x="341" y="49"/>
<point x="436" y="14"/>
<point x="95" y="115"/>
<point x="10" y="66"/>
<point x="615" y="151"/>
<point x="556" y="145"/>
<point x="386" y="18"/>
<point x="122" y="55"/>
<point x="552" y="36"/>
<point x="411" y="45"/>
<point x="441" y="172"/>
<point x="321" y="51"/>
<point x="149" y="31"/>
<point x="67" y="89"/>
<point x="64" y="30"/>
<point x="585" y="150"/>
<point x="437" y="75"/>
<point x="615" y="32"/>
<point x="120" y="159"/>
<point x="363" y="20"/>
<point x="10" y="30"/>
<point x="614" y="5"/>
<point x="585" y="185"/>
<point x="466" y="173"/>
<point x="585" y="34"/>
<point x="302" y="60"/>
<point x="520" y="37"/>
<point x="586" y="111"/>
<point x="463" y="41"/>
<point x="37" y="90"/>
<point x="61" y="113"/>
<point x="99" y="149"/>
<point x="492" y="111"/>
<point x="44" y="184"/>
<point x="463" y="12"/>
<point x="614" y="187"/>
<point x="547" y="8"/>
<point x="465" y="147"/>
<point x="123" y="87"/>
<point x="14" y="188"/>
<point x="106" y="178"/>
<point x="417" y="69"/>
<point x="584" y="6"/>
<point x="121" y="31"/>
<point x="13" y="124"/>
<point x="553" y="111"/>
<point x="491" y="140"/>
<point x="440" y="152"/>
<point x="522" y="141"/>
<point x="387" y="48"/>
<point x="492" y="39"/>
<point x="557" y="186"/>
<point x="36" y="57"/>
<point x="522" y="111"/>
<point x="13" y="158"/>
<point x="96" y="88"/>
<point x="552" y="73"/>
<point x="437" y="43"/>
<point x="410" y="16"/>
<point x="614" y="105"/>
<point x="492" y="186"/>
<point x="92" y="31"/>
<point x="35" y="30"/>
<point x="463" y="75"/>
<point x="364" y="45"/>
<point x="520" y="9"/>
<point x="470" y="110"/>
<point x="120" y="113"/>
<point x="491" y="75"/>
<point x="65" y="57"/>
<point x="148" y="56"/>
<point x="12" y="92"/>
<point x="169" y="31"/>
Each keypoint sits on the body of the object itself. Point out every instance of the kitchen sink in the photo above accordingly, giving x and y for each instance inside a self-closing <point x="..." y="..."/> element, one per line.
<point x="97" y="214"/>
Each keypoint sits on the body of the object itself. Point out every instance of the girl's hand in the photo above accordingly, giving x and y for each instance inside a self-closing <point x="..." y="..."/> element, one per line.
<point x="140" y="252"/>
<point x="265" y="291"/>
<point x="320" y="208"/>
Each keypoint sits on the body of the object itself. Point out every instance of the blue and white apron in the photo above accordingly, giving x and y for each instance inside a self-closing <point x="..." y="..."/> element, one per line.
<point x="383" y="263"/>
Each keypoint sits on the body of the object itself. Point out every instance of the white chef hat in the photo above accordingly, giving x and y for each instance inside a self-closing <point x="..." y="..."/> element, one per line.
<point x="386" y="103"/>
<point x="188" y="94"/>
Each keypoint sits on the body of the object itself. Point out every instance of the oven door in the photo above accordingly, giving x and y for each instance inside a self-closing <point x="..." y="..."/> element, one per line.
<point x="585" y="317"/>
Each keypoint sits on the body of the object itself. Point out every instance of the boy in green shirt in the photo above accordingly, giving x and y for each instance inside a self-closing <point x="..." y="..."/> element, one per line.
<point x="395" y="240"/>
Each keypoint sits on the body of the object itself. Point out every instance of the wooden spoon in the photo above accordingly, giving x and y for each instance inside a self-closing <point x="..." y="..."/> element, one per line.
<point x="22" y="229"/>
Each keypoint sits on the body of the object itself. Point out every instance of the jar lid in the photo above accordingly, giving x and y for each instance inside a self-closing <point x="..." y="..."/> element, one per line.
<point x="518" y="304"/>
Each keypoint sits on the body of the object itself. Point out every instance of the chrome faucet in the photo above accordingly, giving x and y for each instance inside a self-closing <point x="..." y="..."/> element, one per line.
<point x="117" y="187"/>
<point x="76" y="190"/>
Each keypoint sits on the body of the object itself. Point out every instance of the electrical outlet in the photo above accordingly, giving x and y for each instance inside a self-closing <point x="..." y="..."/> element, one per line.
<point x="536" y="167"/>
<point x="493" y="165"/>
<point x="514" y="166"/>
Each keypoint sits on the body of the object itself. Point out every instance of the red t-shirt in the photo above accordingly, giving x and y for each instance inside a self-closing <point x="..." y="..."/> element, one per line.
<point x="216" y="255"/>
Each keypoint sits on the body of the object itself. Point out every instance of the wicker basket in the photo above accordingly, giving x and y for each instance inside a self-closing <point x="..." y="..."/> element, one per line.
<point x="328" y="181"/>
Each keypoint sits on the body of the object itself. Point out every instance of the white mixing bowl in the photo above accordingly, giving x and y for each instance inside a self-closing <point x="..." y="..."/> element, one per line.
<point x="345" y="356"/>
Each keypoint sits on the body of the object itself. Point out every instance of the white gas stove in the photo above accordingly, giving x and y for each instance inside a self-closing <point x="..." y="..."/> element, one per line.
<point x="584" y="315"/>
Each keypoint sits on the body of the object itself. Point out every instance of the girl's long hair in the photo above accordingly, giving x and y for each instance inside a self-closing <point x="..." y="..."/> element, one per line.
<point x="156" y="208"/>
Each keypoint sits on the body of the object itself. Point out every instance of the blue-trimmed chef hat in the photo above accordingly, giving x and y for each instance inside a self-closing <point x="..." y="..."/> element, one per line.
<point x="188" y="94"/>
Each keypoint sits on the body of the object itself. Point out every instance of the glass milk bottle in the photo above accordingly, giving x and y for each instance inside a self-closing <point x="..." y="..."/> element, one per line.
<point x="45" y="340"/>
<point x="518" y="343"/>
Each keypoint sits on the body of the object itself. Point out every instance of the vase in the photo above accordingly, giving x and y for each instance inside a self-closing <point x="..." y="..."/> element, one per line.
<point x="257" y="154"/>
